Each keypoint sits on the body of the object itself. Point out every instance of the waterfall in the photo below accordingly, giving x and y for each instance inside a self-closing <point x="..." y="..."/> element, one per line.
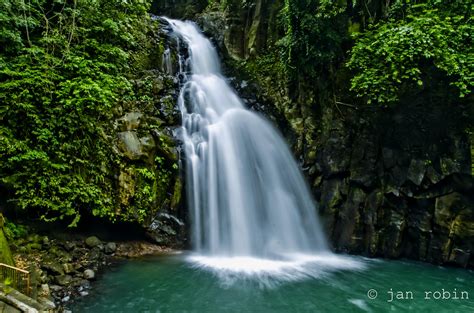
<point x="247" y="197"/>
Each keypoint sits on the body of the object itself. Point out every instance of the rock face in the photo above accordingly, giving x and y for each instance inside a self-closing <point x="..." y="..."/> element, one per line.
<point x="250" y="26"/>
<point x="148" y="154"/>
<point x="392" y="184"/>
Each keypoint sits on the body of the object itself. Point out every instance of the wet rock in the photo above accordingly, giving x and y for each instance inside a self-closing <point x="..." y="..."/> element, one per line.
<point x="96" y="256"/>
<point x="55" y="288"/>
<point x="85" y="284"/>
<point x="460" y="257"/>
<point x="92" y="241"/>
<point x="63" y="280"/>
<point x="137" y="249"/>
<point x="79" y="281"/>
<point x="164" y="228"/>
<point x="110" y="247"/>
<point x="89" y="274"/>
<point x="53" y="268"/>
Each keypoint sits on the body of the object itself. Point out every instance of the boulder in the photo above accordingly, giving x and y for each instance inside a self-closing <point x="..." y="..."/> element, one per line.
<point x="89" y="274"/>
<point x="63" y="280"/>
<point x="53" y="268"/>
<point x="110" y="247"/>
<point x="92" y="241"/>
<point x="129" y="121"/>
<point x="129" y="144"/>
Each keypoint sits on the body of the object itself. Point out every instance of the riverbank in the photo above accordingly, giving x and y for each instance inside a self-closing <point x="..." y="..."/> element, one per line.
<point x="63" y="267"/>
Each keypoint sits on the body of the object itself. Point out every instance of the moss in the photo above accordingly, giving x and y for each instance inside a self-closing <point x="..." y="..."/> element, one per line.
<point x="5" y="253"/>
<point x="176" y="199"/>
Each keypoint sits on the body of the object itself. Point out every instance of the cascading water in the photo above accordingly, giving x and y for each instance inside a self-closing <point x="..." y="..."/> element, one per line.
<point x="251" y="209"/>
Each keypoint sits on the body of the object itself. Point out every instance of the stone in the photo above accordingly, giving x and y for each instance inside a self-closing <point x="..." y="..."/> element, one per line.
<point x="92" y="241"/>
<point x="85" y="284"/>
<point x="130" y="121"/>
<point x="53" y="268"/>
<point x="68" y="268"/>
<point x="110" y="247"/>
<point x="95" y="255"/>
<point x="89" y="274"/>
<point x="44" y="291"/>
<point x="47" y="302"/>
<point x="63" y="280"/>
<point x="69" y="245"/>
<point x="129" y="144"/>
<point x="147" y="145"/>
<point x="459" y="257"/>
<point x="433" y="175"/>
<point x="55" y="288"/>
<point x="416" y="171"/>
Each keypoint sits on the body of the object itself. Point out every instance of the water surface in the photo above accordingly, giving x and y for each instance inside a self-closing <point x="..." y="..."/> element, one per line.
<point x="174" y="284"/>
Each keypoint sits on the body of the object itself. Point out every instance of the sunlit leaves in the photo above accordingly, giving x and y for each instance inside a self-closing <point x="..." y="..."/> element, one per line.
<point x="395" y="55"/>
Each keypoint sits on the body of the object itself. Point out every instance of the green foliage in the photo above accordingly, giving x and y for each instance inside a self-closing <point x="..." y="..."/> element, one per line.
<point x="146" y="192"/>
<point x="398" y="54"/>
<point x="14" y="231"/>
<point x="64" y="65"/>
<point x="313" y="35"/>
